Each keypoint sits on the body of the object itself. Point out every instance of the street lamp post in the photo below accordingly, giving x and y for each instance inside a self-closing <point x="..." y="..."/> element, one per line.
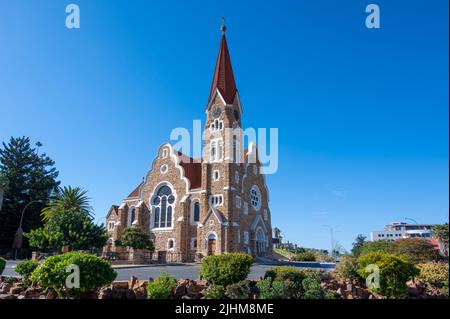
<point x="18" y="238"/>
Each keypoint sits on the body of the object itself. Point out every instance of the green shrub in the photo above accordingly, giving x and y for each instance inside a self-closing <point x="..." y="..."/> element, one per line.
<point x="214" y="292"/>
<point x="434" y="273"/>
<point x="94" y="272"/>
<point x="291" y="277"/>
<point x="347" y="267"/>
<point x="312" y="289"/>
<point x="239" y="290"/>
<point x="135" y="238"/>
<point x="25" y="269"/>
<point x="381" y="246"/>
<point x="395" y="271"/>
<point x="2" y="264"/>
<point x="273" y="289"/>
<point x="226" y="269"/>
<point x="162" y="287"/>
<point x="317" y="274"/>
<point x="306" y="256"/>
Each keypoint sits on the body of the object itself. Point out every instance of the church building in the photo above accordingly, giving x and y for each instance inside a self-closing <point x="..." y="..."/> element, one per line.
<point x="206" y="206"/>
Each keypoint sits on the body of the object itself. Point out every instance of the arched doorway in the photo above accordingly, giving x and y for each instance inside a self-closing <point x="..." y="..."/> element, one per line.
<point x="260" y="242"/>
<point x="211" y="241"/>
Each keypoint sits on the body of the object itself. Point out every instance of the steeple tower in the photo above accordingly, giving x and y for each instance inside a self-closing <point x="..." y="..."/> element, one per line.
<point x="223" y="79"/>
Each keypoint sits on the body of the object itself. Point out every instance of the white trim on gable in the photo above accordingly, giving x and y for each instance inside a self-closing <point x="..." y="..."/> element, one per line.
<point x="214" y="211"/>
<point x="256" y="222"/>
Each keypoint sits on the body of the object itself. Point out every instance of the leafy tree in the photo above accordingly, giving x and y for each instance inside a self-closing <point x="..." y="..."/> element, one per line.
<point x="440" y="232"/>
<point x="416" y="250"/>
<point x="68" y="228"/>
<point x="375" y="246"/>
<point x="67" y="198"/>
<point x="394" y="272"/>
<point x="358" y="244"/>
<point x="135" y="238"/>
<point x="31" y="177"/>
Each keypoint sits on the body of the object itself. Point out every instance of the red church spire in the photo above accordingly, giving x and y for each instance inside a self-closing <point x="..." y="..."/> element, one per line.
<point x="223" y="79"/>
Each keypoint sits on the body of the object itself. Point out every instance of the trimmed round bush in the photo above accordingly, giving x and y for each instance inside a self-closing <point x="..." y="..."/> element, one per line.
<point x="226" y="269"/>
<point x="395" y="271"/>
<point x="286" y="283"/>
<point x="25" y="269"/>
<point x="162" y="287"/>
<point x="2" y="264"/>
<point x="274" y="289"/>
<point x="57" y="272"/>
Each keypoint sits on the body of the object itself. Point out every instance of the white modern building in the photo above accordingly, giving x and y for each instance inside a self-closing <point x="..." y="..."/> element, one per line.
<point x="398" y="230"/>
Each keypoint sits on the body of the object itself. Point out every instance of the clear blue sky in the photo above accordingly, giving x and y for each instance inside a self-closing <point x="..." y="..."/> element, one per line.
<point x="362" y="114"/>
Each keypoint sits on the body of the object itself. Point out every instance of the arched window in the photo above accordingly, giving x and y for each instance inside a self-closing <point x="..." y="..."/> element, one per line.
<point x="170" y="244"/>
<point x="132" y="215"/>
<point x="196" y="212"/>
<point x="163" y="203"/>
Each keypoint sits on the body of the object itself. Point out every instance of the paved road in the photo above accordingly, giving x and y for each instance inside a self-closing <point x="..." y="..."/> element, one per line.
<point x="152" y="271"/>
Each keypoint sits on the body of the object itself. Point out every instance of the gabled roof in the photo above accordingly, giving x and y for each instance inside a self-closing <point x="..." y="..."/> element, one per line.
<point x="135" y="192"/>
<point x="192" y="170"/>
<point x="114" y="209"/>
<point x="223" y="79"/>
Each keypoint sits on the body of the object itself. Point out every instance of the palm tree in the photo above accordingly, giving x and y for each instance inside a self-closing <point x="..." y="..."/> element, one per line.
<point x="67" y="198"/>
<point x="440" y="232"/>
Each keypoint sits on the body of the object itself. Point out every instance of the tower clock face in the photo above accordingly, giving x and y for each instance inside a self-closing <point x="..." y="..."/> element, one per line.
<point x="216" y="112"/>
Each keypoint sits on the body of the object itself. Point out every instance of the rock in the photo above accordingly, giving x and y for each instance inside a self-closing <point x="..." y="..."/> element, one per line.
<point x="120" y="284"/>
<point x="140" y="292"/>
<point x="129" y="294"/>
<point x="194" y="290"/>
<point x="185" y="297"/>
<point x="132" y="282"/>
<point x="32" y="292"/>
<point x="105" y="293"/>
<point x="180" y="288"/>
<point x="51" y="294"/>
<point x="21" y="297"/>
<point x="118" y="293"/>
<point x="15" y="290"/>
<point x="6" y="297"/>
<point x="5" y="287"/>
<point x="339" y="291"/>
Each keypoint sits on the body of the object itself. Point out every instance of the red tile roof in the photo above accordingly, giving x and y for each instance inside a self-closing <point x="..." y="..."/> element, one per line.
<point x="192" y="170"/>
<point x="135" y="192"/>
<point x="223" y="78"/>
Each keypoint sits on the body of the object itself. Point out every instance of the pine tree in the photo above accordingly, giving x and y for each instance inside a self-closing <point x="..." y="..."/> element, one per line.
<point x="30" y="177"/>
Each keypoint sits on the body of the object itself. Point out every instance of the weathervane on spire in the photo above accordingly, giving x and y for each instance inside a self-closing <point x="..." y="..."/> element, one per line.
<point x="223" y="27"/>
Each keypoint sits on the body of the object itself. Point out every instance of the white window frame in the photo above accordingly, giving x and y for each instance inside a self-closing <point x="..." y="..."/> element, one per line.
<point x="265" y="215"/>
<point x="236" y="177"/>
<point x="167" y="245"/>
<point x="165" y="153"/>
<point x="111" y="225"/>
<point x="216" y="200"/>
<point x="218" y="175"/>
<point x="246" y="237"/>
<point x="216" y="150"/>
<point x="193" y="240"/>
<point x="192" y="212"/>
<point x="245" y="208"/>
<point x="238" y="202"/>
<point x="258" y="194"/>
<point x="164" y="169"/>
